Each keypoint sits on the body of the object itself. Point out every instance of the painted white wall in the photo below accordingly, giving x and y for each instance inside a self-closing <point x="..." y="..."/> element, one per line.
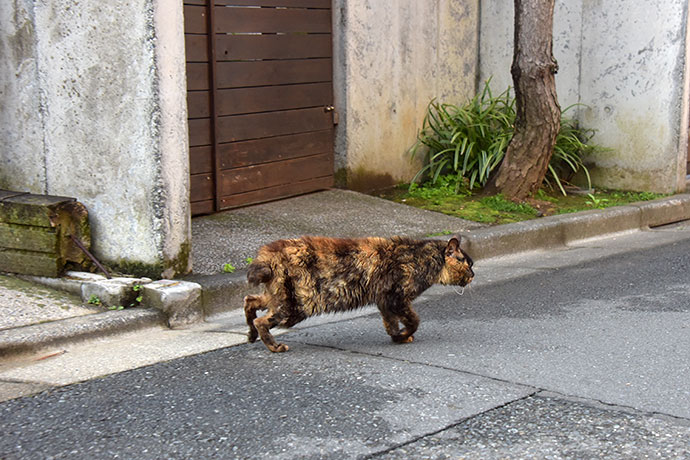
<point x="102" y="118"/>
<point x="391" y="58"/>
<point x="626" y="62"/>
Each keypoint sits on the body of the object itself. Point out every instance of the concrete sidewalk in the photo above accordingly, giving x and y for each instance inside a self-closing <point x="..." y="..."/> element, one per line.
<point x="36" y="317"/>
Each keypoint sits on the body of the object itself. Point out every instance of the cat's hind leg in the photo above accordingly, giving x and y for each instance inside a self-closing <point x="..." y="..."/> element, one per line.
<point x="252" y="303"/>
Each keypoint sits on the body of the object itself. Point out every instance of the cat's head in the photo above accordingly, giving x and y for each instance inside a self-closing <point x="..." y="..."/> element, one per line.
<point x="457" y="269"/>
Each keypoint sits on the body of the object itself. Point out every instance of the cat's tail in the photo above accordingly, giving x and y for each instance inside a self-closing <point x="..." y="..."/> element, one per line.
<point x="259" y="272"/>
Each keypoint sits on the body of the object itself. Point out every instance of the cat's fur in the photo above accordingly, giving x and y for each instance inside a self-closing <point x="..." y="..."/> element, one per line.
<point x="313" y="275"/>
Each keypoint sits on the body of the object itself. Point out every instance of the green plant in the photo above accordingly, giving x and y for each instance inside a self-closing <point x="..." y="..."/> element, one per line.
<point x="442" y="233"/>
<point x="571" y="146"/>
<point x="94" y="300"/>
<point x="445" y="186"/>
<point x="596" y="202"/>
<point x="229" y="268"/>
<point x="470" y="141"/>
<point x="500" y="204"/>
<point x="137" y="288"/>
<point x="249" y="260"/>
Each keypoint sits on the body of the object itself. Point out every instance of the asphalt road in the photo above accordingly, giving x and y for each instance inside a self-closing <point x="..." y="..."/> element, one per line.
<point x="581" y="353"/>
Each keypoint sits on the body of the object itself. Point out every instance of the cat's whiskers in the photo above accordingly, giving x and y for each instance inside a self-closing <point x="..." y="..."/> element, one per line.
<point x="459" y="292"/>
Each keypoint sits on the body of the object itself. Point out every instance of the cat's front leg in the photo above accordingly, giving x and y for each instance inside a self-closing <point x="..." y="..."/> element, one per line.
<point x="263" y="326"/>
<point x="410" y="320"/>
<point x="393" y="314"/>
<point x="252" y="303"/>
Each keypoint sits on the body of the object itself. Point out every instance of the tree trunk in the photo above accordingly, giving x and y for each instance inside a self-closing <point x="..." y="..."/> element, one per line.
<point x="538" y="114"/>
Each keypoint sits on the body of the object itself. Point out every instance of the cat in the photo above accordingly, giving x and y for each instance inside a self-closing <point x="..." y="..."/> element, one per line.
<point x="312" y="275"/>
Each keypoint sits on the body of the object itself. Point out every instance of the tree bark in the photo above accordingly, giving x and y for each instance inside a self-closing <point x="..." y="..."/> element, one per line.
<point x="538" y="114"/>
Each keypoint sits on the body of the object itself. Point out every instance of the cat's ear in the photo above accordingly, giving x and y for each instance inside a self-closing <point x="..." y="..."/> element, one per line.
<point x="453" y="245"/>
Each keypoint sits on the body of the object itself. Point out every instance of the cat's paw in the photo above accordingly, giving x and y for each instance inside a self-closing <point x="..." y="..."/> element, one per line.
<point x="280" y="348"/>
<point x="252" y="335"/>
<point x="403" y="339"/>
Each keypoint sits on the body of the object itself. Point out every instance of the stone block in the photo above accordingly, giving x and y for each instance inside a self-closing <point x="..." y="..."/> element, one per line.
<point x="665" y="211"/>
<point x="113" y="292"/>
<point x="179" y="300"/>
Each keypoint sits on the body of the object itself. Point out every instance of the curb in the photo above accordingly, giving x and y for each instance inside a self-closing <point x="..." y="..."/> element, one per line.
<point x="28" y="339"/>
<point x="178" y="303"/>
<point x="562" y="230"/>
<point x="225" y="292"/>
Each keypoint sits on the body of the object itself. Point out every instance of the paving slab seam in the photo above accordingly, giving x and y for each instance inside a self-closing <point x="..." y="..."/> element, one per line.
<point x="419" y="363"/>
<point x="462" y="421"/>
<point x="542" y="394"/>
<point x="537" y="390"/>
<point x="600" y="404"/>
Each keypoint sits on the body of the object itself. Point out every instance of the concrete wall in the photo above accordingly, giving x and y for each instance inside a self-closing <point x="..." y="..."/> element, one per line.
<point x="94" y="107"/>
<point x="626" y="61"/>
<point x="391" y="58"/>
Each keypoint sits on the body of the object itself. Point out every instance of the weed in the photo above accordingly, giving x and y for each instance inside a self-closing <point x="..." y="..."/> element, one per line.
<point x="470" y="141"/>
<point x="94" y="300"/>
<point x="596" y="202"/>
<point x="500" y="204"/>
<point x="442" y="233"/>
<point x="228" y="268"/>
<point x="498" y="210"/>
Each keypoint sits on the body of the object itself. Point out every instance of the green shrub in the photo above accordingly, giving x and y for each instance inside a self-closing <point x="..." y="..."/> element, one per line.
<point x="471" y="140"/>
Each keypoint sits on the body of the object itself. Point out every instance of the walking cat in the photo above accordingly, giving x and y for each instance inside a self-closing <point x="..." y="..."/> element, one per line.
<point x="312" y="275"/>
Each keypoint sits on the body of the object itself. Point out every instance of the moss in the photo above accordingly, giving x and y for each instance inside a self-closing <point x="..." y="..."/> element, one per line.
<point x="179" y="266"/>
<point x="173" y="268"/>
<point x="497" y="210"/>
<point x="137" y="269"/>
<point x="340" y="178"/>
<point x="363" y="180"/>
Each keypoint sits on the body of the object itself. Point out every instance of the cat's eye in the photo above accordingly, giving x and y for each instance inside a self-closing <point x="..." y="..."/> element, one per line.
<point x="464" y="259"/>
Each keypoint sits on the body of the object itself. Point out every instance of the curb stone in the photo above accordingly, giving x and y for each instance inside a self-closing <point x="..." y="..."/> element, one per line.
<point x="178" y="303"/>
<point x="564" y="229"/>
<point x="30" y="339"/>
<point x="224" y="292"/>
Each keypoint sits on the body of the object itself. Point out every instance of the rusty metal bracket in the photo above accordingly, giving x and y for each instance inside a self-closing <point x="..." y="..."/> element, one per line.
<point x="90" y="256"/>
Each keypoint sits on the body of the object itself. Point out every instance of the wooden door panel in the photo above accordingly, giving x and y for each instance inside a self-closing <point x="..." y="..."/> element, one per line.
<point x="272" y="20"/>
<point x="259" y="97"/>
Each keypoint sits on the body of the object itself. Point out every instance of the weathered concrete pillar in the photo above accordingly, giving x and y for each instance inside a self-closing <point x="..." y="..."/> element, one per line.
<point x="391" y="57"/>
<point x="94" y="107"/>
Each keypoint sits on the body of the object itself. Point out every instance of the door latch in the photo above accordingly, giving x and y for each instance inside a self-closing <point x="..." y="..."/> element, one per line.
<point x="330" y="108"/>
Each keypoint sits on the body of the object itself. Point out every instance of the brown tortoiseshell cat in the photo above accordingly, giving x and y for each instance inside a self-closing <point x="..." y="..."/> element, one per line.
<point x="309" y="276"/>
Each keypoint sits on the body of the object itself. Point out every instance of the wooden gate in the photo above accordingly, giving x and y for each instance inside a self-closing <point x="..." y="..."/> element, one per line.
<point x="260" y="100"/>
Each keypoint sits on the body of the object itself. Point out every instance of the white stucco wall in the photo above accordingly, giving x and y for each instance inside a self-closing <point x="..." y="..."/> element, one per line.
<point x="391" y="58"/>
<point x="625" y="61"/>
<point x="98" y="112"/>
